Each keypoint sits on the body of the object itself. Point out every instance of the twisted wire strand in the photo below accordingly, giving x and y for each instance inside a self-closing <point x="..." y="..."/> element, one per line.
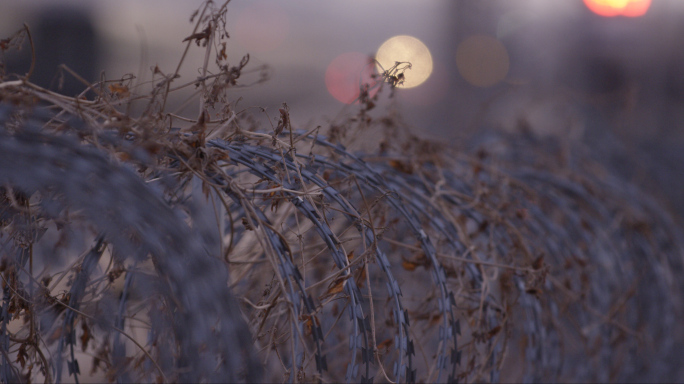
<point x="116" y="200"/>
<point x="581" y="269"/>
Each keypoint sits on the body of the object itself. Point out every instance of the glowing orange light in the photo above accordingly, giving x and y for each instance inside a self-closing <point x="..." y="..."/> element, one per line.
<point x="482" y="60"/>
<point x="347" y="73"/>
<point x="610" y="8"/>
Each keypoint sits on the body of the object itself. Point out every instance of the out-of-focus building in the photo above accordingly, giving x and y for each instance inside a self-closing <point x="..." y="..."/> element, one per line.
<point x="61" y="35"/>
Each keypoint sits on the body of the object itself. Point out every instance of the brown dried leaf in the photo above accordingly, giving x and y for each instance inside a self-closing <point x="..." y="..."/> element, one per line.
<point x="245" y="223"/>
<point x="336" y="286"/>
<point x="401" y="166"/>
<point x="435" y="320"/>
<point x="119" y="90"/>
<point x="199" y="36"/>
<point x="22" y="355"/>
<point x="361" y="278"/>
<point x="85" y="337"/>
<point x="385" y="345"/>
<point x="538" y="263"/>
<point x="409" y="265"/>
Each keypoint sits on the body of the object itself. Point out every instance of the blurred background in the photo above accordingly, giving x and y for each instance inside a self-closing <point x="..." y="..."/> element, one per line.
<point x="604" y="75"/>
<point x="608" y="74"/>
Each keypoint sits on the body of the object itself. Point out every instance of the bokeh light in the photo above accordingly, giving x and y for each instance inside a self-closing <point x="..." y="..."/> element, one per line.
<point x="262" y="27"/>
<point x="406" y="49"/>
<point x="482" y="60"/>
<point x="347" y="73"/>
<point x="610" y="8"/>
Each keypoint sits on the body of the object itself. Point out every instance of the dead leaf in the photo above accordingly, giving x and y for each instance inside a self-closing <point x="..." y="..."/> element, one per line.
<point x="409" y="265"/>
<point x="119" y="90"/>
<point x="401" y="166"/>
<point x="85" y="337"/>
<point x="336" y="286"/>
<point x="385" y="345"/>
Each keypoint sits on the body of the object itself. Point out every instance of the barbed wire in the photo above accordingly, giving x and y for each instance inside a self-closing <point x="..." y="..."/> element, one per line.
<point x="223" y="251"/>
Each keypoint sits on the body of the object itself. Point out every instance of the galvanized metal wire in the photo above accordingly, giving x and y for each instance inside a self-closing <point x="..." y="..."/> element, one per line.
<point x="241" y="257"/>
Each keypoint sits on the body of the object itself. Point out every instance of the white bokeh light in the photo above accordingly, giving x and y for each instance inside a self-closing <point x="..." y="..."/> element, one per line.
<point x="406" y="49"/>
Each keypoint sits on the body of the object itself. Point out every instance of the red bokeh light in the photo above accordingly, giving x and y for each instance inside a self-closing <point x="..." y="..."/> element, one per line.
<point x="610" y="8"/>
<point x="346" y="73"/>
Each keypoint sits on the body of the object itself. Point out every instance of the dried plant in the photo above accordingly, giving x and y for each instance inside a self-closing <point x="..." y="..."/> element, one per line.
<point x="222" y="251"/>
